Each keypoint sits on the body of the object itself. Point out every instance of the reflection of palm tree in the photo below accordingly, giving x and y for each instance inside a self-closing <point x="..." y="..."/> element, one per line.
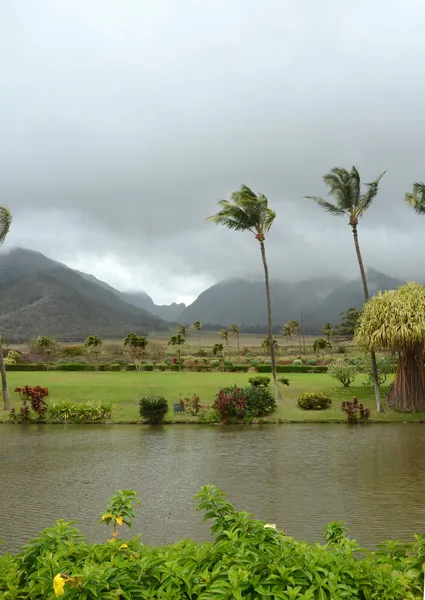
<point x="417" y="199"/>
<point x="5" y="223"/>
<point x="345" y="187"/>
<point x="247" y="211"/>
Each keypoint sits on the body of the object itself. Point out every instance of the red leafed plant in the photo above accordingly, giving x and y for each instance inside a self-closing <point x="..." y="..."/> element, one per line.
<point x="231" y="403"/>
<point x="35" y="395"/>
<point x="356" y="412"/>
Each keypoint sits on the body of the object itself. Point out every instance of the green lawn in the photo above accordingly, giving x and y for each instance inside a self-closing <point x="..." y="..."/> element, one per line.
<point x="125" y="388"/>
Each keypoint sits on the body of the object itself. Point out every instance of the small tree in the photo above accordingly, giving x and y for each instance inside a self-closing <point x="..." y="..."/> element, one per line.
<point x="345" y="330"/>
<point x="327" y="331"/>
<point x="217" y="349"/>
<point x="48" y="348"/>
<point x="342" y="371"/>
<point x="289" y="330"/>
<point x="320" y="345"/>
<point x="137" y="346"/>
<point x="93" y="345"/>
<point x="183" y="330"/>
<point x="177" y="340"/>
<point x="197" y="325"/>
<point x="225" y="336"/>
<point x="266" y="344"/>
<point x="236" y="330"/>
<point x="395" y="320"/>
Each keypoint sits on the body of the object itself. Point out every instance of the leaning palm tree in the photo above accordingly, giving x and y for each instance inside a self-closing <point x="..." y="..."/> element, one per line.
<point x="247" y="211"/>
<point x="236" y="330"/>
<point x="5" y="223"/>
<point x="417" y="198"/>
<point x="350" y="201"/>
<point x="183" y="330"/>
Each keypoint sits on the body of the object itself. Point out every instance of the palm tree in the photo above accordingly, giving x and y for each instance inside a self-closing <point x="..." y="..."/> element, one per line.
<point x="417" y="199"/>
<point x="183" y="330"/>
<point x="137" y="344"/>
<point x="198" y="326"/>
<point x="290" y="329"/>
<point x="320" y="345"/>
<point x="350" y="201"/>
<point x="266" y="344"/>
<point x="177" y="340"/>
<point x="224" y="334"/>
<point x="327" y="331"/>
<point x="247" y="211"/>
<point x="93" y="345"/>
<point x="236" y="330"/>
<point x="5" y="223"/>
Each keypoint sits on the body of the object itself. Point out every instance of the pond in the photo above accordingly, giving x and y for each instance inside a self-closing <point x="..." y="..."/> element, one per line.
<point x="297" y="476"/>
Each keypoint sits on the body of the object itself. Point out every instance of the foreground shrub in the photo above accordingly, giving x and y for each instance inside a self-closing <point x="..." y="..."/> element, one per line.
<point x="260" y="401"/>
<point x="342" y="371"/>
<point x="356" y="412"/>
<point x="231" y="403"/>
<point x="32" y="398"/>
<point x="66" y="410"/>
<point x="314" y="401"/>
<point x="259" y="380"/>
<point x="153" y="409"/>
<point x="209" y="415"/>
<point x="247" y="559"/>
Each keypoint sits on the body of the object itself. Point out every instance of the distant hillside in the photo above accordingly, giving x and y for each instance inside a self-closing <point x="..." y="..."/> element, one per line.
<point x="39" y="296"/>
<point x="243" y="301"/>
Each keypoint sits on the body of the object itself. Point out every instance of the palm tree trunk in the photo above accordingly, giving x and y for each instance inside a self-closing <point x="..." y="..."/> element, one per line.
<point x="5" y="389"/>
<point x="269" y="319"/>
<point x="237" y="337"/>
<point x="379" y="407"/>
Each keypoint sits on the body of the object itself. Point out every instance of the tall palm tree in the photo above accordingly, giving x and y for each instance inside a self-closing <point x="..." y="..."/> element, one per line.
<point x="183" y="330"/>
<point x="224" y="333"/>
<point x="236" y="330"/>
<point x="197" y="325"/>
<point x="177" y="340"/>
<point x="350" y="201"/>
<point x="417" y="199"/>
<point x="5" y="223"/>
<point x="247" y="211"/>
<point x="290" y="329"/>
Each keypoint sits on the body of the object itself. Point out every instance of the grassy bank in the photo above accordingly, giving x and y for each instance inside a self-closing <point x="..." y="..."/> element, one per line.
<point x="125" y="389"/>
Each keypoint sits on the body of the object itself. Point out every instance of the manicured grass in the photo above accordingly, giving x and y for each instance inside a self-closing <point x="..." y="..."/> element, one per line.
<point x="126" y="388"/>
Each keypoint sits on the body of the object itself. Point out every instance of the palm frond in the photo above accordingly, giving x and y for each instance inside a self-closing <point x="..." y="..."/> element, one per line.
<point x="5" y="222"/>
<point x="417" y="199"/>
<point x="367" y="198"/>
<point x="328" y="206"/>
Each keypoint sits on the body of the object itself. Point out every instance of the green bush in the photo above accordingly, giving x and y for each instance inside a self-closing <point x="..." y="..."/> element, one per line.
<point x="147" y="368"/>
<point x="26" y="367"/>
<point x="283" y="380"/>
<point x="246" y="559"/>
<point x="293" y="369"/>
<point x="342" y="371"/>
<point x="297" y="361"/>
<point x="312" y="362"/>
<point x="153" y="409"/>
<point x="209" y="415"/>
<point x="72" y="367"/>
<point x="255" y="381"/>
<point x="314" y="401"/>
<point x="67" y="410"/>
<point x="260" y="401"/>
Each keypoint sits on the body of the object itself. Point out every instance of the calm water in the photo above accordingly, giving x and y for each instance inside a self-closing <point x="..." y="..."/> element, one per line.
<point x="298" y="476"/>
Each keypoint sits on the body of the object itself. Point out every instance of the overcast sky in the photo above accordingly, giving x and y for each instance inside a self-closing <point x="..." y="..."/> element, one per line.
<point x="123" y="122"/>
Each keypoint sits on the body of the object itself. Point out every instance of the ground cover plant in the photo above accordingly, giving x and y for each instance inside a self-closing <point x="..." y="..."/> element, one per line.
<point x="246" y="559"/>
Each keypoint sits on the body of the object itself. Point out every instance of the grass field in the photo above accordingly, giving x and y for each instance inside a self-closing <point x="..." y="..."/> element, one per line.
<point x="125" y="388"/>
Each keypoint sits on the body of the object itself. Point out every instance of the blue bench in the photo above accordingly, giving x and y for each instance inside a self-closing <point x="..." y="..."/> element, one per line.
<point x="178" y="408"/>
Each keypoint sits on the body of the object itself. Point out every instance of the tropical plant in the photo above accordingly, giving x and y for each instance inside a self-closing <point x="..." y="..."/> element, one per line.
<point x="342" y="371"/>
<point x="320" y="345"/>
<point x="259" y="380"/>
<point x="153" y="409"/>
<point x="236" y="330"/>
<point x="93" y="346"/>
<point x="267" y="346"/>
<point x="284" y="380"/>
<point x="395" y="321"/>
<point x="231" y="403"/>
<point x="247" y="211"/>
<point x="183" y="330"/>
<point x="416" y="199"/>
<point x="345" y="330"/>
<point x="5" y="223"/>
<point x="137" y="346"/>
<point x="197" y="325"/>
<point x="356" y="412"/>
<point x="314" y="401"/>
<point x="327" y="331"/>
<point x="260" y="401"/>
<point x="350" y="201"/>
<point x="386" y="364"/>
<point x="177" y="340"/>
<point x="119" y="510"/>
<point x="217" y="349"/>
<point x="289" y="329"/>
<point x="48" y="347"/>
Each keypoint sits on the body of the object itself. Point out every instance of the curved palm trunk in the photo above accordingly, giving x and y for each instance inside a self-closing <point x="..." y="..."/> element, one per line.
<point x="5" y="389"/>
<point x="269" y="319"/>
<point x="379" y="407"/>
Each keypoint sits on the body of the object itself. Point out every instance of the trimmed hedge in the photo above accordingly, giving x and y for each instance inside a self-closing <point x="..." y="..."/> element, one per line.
<point x="293" y="369"/>
<point x="26" y="367"/>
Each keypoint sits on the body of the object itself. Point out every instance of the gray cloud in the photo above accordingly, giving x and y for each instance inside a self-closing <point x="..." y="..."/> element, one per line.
<point x="123" y="123"/>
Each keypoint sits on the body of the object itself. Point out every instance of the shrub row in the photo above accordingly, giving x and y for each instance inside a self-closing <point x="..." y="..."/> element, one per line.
<point x="117" y="367"/>
<point x="293" y="369"/>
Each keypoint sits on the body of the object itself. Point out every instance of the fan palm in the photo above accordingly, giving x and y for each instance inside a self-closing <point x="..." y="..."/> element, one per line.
<point x="352" y="202"/>
<point x="5" y="223"/>
<point x="417" y="198"/>
<point x="247" y="211"/>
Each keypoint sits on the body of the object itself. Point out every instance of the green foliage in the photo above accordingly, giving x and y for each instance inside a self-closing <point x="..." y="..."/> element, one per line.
<point x="153" y="409"/>
<point x="13" y="357"/>
<point x="346" y="328"/>
<point x="247" y="559"/>
<point x="314" y="401"/>
<point x="293" y="369"/>
<point x="283" y="380"/>
<point x="312" y="362"/>
<point x="67" y="410"/>
<point x="385" y="364"/>
<point x="209" y="415"/>
<point x="73" y="351"/>
<point x="297" y="361"/>
<point x="260" y="401"/>
<point x="259" y="380"/>
<point x="342" y="371"/>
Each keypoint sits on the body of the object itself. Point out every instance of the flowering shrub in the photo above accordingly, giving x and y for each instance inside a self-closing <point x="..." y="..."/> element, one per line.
<point x="231" y="403"/>
<point x="342" y="371"/>
<point x="356" y="412"/>
<point x="314" y="401"/>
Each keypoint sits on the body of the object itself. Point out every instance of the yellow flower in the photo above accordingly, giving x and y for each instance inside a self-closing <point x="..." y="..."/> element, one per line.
<point x="123" y="546"/>
<point x="270" y="525"/>
<point x="112" y="540"/>
<point x="58" y="585"/>
<point x="108" y="516"/>
<point x="118" y="520"/>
